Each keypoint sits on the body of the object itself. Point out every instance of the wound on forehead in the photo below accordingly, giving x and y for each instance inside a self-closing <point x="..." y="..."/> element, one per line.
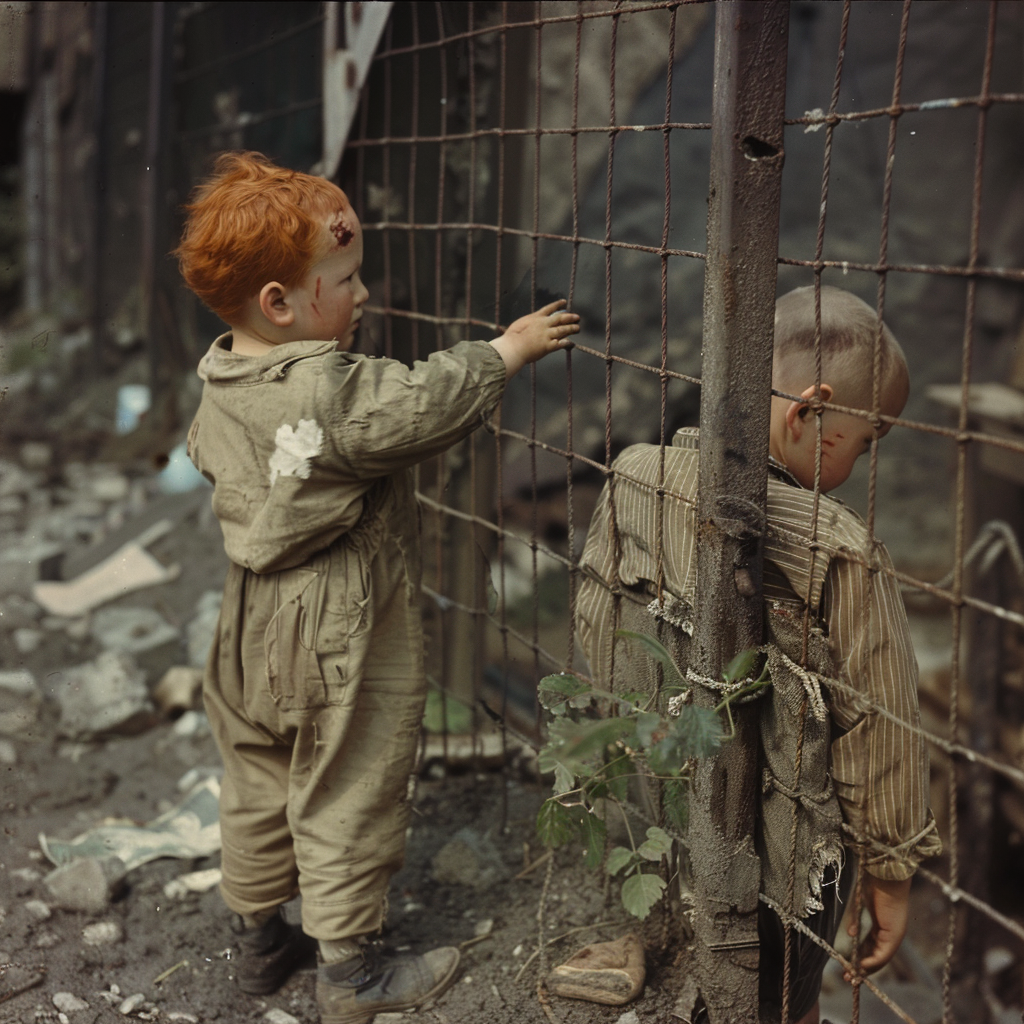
<point x="343" y="234"/>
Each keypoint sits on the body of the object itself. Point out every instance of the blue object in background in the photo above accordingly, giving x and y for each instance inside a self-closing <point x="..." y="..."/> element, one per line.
<point x="179" y="475"/>
<point x="133" y="401"/>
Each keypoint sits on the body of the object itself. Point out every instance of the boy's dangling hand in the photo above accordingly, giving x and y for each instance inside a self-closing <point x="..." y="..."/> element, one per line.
<point x="888" y="903"/>
<point x="535" y="335"/>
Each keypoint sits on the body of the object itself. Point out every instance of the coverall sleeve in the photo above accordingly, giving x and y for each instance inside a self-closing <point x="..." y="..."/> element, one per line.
<point x="383" y="416"/>
<point x="880" y="761"/>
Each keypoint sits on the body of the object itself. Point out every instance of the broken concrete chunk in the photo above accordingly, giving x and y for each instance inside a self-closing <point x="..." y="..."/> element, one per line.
<point x="611" y="973"/>
<point x="109" y="487"/>
<point x="178" y="690"/>
<point x="88" y="884"/>
<point x="23" y="565"/>
<point x="141" y="632"/>
<point x="19" y="701"/>
<point x="192" y="725"/>
<point x="66" y="1002"/>
<point x="107" y="695"/>
<point x="102" y="933"/>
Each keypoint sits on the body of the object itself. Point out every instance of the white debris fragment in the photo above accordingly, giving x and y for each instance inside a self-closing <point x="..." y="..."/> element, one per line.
<point x="278" y="1016"/>
<point x="27" y="640"/>
<point x="38" y="910"/>
<point x="185" y="1018"/>
<point x="26" y="874"/>
<point x="192" y="725"/>
<point x="484" y="927"/>
<point x="67" y="1002"/>
<point x="194" y="881"/>
<point x="295" y="447"/>
<point x="131" y="1004"/>
<point x="102" y="933"/>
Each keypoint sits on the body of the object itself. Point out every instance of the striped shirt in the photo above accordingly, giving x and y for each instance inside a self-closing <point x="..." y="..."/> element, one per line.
<point x="879" y="765"/>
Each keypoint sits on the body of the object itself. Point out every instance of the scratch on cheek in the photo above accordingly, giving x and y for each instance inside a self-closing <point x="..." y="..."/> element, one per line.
<point x="343" y="234"/>
<point x="318" y="287"/>
<point x="317" y="311"/>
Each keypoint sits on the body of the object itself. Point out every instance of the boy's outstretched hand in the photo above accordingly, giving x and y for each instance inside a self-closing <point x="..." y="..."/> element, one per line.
<point x="535" y="335"/>
<point x="888" y="903"/>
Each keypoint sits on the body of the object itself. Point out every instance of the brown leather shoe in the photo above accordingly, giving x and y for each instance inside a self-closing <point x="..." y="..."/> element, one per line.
<point x="269" y="954"/>
<point x="353" y="991"/>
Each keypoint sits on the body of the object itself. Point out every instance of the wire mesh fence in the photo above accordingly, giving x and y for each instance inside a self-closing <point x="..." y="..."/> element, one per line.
<point x="506" y="153"/>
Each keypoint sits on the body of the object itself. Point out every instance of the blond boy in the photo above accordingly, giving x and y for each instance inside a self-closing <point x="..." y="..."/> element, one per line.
<point x="864" y="774"/>
<point x="315" y="684"/>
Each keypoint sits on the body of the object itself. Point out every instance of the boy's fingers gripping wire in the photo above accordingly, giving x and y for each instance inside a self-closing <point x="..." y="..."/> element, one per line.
<point x="533" y="336"/>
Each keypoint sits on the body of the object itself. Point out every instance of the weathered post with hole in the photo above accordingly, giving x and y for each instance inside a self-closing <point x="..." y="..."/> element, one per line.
<point x="739" y="299"/>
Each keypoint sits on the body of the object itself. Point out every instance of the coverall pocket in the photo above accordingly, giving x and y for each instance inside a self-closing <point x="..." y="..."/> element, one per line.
<point x="293" y="671"/>
<point x="346" y="619"/>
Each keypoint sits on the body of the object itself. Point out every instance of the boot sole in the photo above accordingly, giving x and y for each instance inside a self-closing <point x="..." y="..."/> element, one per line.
<point x="359" y="1016"/>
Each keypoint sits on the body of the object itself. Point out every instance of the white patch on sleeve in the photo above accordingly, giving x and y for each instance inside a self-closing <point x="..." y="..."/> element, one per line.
<point x="295" y="447"/>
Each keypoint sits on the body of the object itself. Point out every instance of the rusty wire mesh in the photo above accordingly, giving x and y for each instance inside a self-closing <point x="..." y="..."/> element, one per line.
<point x="495" y="164"/>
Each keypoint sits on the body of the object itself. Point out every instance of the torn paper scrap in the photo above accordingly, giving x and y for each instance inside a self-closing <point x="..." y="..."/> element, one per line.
<point x="129" y="568"/>
<point x="192" y="829"/>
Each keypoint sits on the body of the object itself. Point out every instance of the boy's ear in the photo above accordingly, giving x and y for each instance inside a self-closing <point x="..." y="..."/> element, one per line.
<point x="796" y="413"/>
<point x="274" y="305"/>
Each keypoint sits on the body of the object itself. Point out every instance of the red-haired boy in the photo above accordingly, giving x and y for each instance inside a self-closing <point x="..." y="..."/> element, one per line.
<point x="315" y="686"/>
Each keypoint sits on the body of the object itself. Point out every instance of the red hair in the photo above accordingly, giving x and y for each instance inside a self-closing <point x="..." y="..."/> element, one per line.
<point x="252" y="222"/>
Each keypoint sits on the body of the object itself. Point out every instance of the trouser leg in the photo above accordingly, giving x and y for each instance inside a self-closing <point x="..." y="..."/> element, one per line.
<point x="258" y="861"/>
<point x="348" y="807"/>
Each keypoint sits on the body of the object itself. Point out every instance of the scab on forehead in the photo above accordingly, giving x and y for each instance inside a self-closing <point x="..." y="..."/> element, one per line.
<point x="343" y="234"/>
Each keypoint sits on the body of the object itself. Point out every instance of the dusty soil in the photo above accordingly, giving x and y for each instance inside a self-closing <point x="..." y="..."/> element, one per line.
<point x="49" y="792"/>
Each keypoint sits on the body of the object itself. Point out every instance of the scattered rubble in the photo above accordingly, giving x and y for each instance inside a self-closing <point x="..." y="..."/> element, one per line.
<point x="141" y="632"/>
<point x="611" y="973"/>
<point x="194" y="881"/>
<point x="278" y="1016"/>
<point x="19" y="701"/>
<point x="38" y="910"/>
<point x="66" y="1002"/>
<point x="107" y="695"/>
<point x="102" y="933"/>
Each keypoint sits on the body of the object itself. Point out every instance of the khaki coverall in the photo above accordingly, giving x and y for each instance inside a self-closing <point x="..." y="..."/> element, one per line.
<point x="314" y="686"/>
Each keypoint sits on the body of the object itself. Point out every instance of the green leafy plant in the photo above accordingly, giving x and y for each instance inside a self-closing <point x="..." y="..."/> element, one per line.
<point x="599" y="740"/>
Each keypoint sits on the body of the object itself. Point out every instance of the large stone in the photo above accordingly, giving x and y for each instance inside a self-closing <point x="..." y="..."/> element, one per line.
<point x="87" y="884"/>
<point x="107" y="695"/>
<point x="67" y="1002"/>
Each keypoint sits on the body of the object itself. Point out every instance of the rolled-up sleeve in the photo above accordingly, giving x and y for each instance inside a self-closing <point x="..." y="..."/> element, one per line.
<point x="880" y="760"/>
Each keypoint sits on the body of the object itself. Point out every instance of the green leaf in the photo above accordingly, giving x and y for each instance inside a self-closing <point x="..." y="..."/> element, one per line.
<point x="555" y="692"/>
<point x="593" y="737"/>
<point x="640" y="892"/>
<point x="593" y="831"/>
<point x="699" y="731"/>
<point x="675" y="799"/>
<point x="742" y="665"/>
<point x="658" y="843"/>
<point x="492" y="594"/>
<point x="618" y="858"/>
<point x="657" y="651"/>
<point x="554" y="824"/>
<point x="565" y="780"/>
<point x="646" y="724"/>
